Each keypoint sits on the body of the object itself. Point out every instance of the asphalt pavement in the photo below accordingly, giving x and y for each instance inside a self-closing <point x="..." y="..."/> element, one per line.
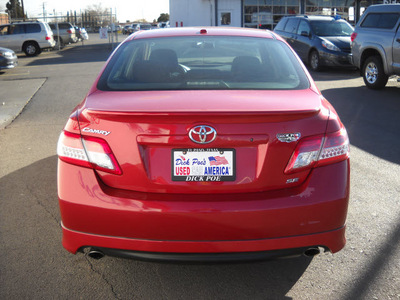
<point x="15" y="94"/>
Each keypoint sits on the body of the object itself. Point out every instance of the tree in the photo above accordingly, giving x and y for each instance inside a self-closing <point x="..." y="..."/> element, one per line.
<point x="99" y="15"/>
<point x="164" y="17"/>
<point x="140" y="21"/>
<point x="14" y="9"/>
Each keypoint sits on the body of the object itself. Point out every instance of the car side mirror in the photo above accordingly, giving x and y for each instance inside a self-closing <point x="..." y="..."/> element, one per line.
<point x="306" y="33"/>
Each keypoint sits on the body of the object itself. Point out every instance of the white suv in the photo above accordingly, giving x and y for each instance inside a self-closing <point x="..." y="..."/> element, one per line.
<point x="29" y="37"/>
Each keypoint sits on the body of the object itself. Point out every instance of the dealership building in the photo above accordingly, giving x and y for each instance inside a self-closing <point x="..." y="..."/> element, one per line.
<point x="260" y="13"/>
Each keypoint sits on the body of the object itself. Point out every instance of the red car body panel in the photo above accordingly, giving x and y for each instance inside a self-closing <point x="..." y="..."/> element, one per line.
<point x="143" y="208"/>
<point x="307" y="214"/>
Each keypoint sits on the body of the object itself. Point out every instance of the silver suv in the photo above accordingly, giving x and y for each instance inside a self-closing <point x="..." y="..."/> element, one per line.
<point x="29" y="37"/>
<point x="65" y="33"/>
<point x="376" y="44"/>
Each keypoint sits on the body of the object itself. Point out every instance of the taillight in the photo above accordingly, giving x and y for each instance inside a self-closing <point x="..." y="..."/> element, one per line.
<point x="353" y="36"/>
<point x="69" y="31"/>
<point x="48" y="38"/>
<point x="87" y="152"/>
<point x="319" y="150"/>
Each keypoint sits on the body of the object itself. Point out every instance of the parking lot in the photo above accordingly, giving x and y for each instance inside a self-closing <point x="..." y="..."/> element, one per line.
<point x="34" y="265"/>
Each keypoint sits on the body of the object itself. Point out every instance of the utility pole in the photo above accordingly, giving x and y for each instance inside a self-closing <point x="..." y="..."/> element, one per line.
<point x="44" y="13"/>
<point x="23" y="10"/>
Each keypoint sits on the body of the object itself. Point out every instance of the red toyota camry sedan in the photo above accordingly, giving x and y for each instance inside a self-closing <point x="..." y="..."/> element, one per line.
<point x="203" y="144"/>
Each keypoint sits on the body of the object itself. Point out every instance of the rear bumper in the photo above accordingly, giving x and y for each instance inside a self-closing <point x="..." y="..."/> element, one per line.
<point x="97" y="216"/>
<point x="215" y="251"/>
<point x="47" y="44"/>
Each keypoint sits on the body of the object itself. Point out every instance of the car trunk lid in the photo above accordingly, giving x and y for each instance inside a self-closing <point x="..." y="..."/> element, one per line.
<point x="149" y="131"/>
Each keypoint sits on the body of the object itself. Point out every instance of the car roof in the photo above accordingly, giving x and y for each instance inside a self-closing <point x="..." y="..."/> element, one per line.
<point x="209" y="31"/>
<point x="316" y="18"/>
<point x="389" y="8"/>
<point x="61" y="23"/>
<point x="24" y="22"/>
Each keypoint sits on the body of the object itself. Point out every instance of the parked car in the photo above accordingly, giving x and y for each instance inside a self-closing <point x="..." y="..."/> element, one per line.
<point x="318" y="40"/>
<point x="132" y="28"/>
<point x="139" y="26"/>
<point x="8" y="59"/>
<point x="81" y="33"/>
<point x="125" y="29"/>
<point x="29" y="37"/>
<point x="144" y="26"/>
<point x="65" y="34"/>
<point x="163" y="24"/>
<point x="203" y="144"/>
<point x="376" y="44"/>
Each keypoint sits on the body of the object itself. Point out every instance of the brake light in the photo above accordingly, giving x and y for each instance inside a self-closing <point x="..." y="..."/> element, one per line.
<point x="87" y="152"/>
<point x="353" y="36"/>
<point x="318" y="151"/>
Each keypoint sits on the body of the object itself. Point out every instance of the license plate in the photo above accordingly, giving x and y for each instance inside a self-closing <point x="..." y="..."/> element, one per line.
<point x="203" y="164"/>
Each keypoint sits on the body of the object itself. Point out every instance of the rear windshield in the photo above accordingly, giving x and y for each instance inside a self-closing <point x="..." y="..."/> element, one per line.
<point x="205" y="63"/>
<point x="145" y="26"/>
<point x="332" y="28"/>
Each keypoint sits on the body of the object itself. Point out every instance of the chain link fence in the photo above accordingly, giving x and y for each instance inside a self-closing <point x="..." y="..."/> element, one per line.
<point x="104" y="24"/>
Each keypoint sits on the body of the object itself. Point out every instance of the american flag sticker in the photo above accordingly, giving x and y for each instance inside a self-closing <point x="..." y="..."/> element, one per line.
<point x="217" y="160"/>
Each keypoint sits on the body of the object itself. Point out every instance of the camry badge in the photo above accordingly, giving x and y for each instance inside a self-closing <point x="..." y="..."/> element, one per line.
<point x="288" y="137"/>
<point x="202" y="134"/>
<point x="97" y="131"/>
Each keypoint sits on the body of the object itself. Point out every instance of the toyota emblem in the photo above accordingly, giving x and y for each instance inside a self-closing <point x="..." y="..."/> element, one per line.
<point x="202" y="134"/>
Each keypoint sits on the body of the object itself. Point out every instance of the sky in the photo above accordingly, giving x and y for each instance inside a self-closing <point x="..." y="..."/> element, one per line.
<point x="126" y="9"/>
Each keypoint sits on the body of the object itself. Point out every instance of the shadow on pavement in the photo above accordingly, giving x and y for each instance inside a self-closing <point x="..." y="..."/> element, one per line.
<point x="31" y="234"/>
<point x="371" y="118"/>
<point x="385" y="255"/>
<point x="257" y="280"/>
<point x="332" y="74"/>
<point x="76" y="54"/>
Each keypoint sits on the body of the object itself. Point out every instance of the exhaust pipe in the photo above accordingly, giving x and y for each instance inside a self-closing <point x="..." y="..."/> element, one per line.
<point x="95" y="254"/>
<point x="311" y="252"/>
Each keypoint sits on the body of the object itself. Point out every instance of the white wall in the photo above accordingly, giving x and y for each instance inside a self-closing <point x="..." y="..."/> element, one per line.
<point x="232" y="6"/>
<point x="192" y="12"/>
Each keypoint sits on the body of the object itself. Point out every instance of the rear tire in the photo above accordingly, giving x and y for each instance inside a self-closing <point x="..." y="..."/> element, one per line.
<point x="31" y="49"/>
<point x="373" y="73"/>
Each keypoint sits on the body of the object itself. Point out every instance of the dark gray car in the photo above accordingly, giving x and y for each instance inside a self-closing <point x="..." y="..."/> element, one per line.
<point x="318" y="40"/>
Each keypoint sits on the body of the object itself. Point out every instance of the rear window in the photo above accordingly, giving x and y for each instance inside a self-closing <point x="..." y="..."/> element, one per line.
<point x="205" y="63"/>
<point x="380" y="20"/>
<point x="64" y="26"/>
<point x="145" y="26"/>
